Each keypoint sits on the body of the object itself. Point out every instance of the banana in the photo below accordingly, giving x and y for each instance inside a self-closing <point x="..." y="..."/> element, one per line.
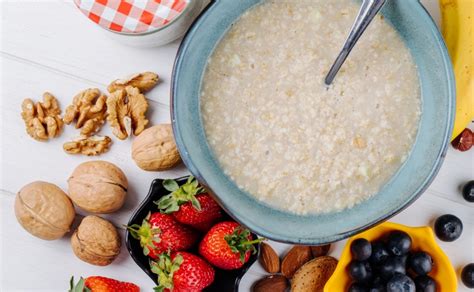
<point x="457" y="25"/>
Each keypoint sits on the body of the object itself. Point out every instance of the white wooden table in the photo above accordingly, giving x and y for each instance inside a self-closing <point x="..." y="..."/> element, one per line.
<point x="49" y="45"/>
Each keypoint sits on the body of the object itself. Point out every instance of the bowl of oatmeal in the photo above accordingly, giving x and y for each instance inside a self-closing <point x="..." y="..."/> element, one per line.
<point x="289" y="157"/>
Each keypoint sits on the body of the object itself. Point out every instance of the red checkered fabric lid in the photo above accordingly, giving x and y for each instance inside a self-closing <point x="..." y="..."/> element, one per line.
<point x="132" y="16"/>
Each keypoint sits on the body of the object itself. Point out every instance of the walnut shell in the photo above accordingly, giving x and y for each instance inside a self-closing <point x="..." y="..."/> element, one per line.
<point x="96" y="241"/>
<point x="155" y="148"/>
<point x="44" y="210"/>
<point x="98" y="186"/>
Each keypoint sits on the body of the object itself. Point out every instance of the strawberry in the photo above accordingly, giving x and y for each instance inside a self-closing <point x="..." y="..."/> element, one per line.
<point x="160" y="233"/>
<point x="182" y="271"/>
<point x="228" y="245"/>
<point x="189" y="204"/>
<point x="102" y="284"/>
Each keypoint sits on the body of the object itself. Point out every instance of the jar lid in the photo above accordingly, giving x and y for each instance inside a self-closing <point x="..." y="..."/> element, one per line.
<point x="132" y="16"/>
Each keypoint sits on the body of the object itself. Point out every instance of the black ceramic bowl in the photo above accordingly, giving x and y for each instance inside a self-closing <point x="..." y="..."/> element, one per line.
<point x="223" y="281"/>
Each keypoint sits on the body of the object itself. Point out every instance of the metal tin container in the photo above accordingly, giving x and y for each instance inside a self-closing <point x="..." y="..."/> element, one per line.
<point x="142" y="23"/>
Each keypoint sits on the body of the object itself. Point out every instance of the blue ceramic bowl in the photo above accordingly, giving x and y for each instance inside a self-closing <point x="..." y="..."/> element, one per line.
<point x="426" y="45"/>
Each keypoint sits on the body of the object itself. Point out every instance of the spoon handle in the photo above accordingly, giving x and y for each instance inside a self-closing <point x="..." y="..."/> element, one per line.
<point x="367" y="12"/>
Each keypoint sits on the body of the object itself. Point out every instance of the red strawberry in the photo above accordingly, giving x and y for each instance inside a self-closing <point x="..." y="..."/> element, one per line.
<point x="160" y="233"/>
<point x="182" y="271"/>
<point x="227" y="245"/>
<point x="189" y="204"/>
<point x="102" y="284"/>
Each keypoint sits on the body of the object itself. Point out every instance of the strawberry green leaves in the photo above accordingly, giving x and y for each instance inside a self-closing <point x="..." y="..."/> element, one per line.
<point x="239" y="242"/>
<point x="179" y="195"/>
<point x="165" y="268"/>
<point x="146" y="233"/>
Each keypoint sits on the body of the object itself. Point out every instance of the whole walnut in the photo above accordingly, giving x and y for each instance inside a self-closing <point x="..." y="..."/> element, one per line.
<point x="96" y="241"/>
<point x="98" y="186"/>
<point x="155" y="149"/>
<point x="44" y="210"/>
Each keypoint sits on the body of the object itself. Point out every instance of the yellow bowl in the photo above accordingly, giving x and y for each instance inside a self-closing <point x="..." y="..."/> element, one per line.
<point x="422" y="239"/>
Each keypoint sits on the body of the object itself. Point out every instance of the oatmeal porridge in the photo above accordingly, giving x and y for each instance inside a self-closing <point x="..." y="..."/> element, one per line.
<point x="285" y="137"/>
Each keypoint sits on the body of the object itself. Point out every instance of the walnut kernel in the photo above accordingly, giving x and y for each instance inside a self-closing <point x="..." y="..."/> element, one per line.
<point x="126" y="109"/>
<point x="89" y="146"/>
<point x="89" y="109"/>
<point x="42" y="120"/>
<point x="143" y="81"/>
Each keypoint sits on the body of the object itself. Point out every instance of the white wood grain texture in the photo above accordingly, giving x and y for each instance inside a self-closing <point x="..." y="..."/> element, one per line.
<point x="49" y="45"/>
<point x="56" y="35"/>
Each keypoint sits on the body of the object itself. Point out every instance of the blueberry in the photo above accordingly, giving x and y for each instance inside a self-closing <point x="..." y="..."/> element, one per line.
<point x="398" y="243"/>
<point x="400" y="283"/>
<point x="448" y="227"/>
<point x="361" y="249"/>
<point x="360" y="271"/>
<point x="391" y="266"/>
<point x="378" y="280"/>
<point x="467" y="275"/>
<point x="468" y="191"/>
<point x="425" y="283"/>
<point x="379" y="253"/>
<point x="380" y="287"/>
<point x="358" y="287"/>
<point x="421" y="263"/>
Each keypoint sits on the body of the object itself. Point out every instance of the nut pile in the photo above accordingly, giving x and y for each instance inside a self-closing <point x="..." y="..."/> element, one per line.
<point x="47" y="212"/>
<point x="307" y="268"/>
<point x="125" y="109"/>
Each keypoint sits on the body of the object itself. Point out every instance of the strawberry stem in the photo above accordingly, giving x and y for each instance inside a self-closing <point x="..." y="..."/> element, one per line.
<point x="179" y="195"/>
<point x="255" y="241"/>
<point x="146" y="233"/>
<point x="239" y="242"/>
<point x="165" y="268"/>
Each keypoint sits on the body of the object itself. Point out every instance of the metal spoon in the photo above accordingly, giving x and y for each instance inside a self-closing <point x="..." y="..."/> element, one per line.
<point x="367" y="12"/>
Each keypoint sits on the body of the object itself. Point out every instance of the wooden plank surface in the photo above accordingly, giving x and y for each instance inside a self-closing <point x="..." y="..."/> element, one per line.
<point x="49" y="45"/>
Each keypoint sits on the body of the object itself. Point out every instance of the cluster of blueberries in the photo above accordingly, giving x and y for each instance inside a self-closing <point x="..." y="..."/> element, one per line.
<point x="390" y="266"/>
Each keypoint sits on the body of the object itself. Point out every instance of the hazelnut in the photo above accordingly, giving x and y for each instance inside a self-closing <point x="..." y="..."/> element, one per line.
<point x="44" y="210"/>
<point x="464" y="141"/>
<point x="98" y="186"/>
<point x="155" y="148"/>
<point x="96" y="241"/>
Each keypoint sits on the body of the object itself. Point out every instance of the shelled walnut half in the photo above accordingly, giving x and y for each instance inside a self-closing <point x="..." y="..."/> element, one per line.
<point x="143" y="81"/>
<point x="89" y="110"/>
<point x="126" y="109"/>
<point x="89" y="146"/>
<point x="42" y="119"/>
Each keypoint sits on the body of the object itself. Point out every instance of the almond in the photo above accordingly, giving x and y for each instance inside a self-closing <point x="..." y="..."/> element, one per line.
<point x="294" y="259"/>
<point x="313" y="275"/>
<point x="320" y="250"/>
<point x="274" y="283"/>
<point x="269" y="259"/>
